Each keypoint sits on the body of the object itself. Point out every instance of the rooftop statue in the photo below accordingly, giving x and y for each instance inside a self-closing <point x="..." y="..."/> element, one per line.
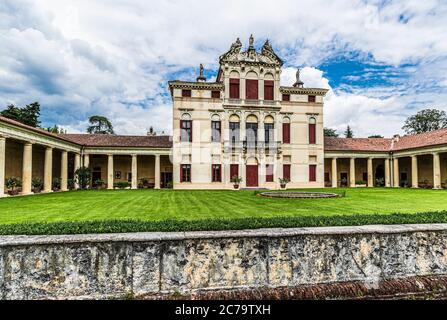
<point x="298" y="83"/>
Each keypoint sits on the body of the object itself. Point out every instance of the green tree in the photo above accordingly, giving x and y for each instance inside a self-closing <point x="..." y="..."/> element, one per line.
<point x="349" y="133"/>
<point x="328" y="132"/>
<point x="425" y="120"/>
<point x="83" y="177"/>
<point x="56" y="129"/>
<point x="376" y="136"/>
<point x="28" y="115"/>
<point x="100" y="125"/>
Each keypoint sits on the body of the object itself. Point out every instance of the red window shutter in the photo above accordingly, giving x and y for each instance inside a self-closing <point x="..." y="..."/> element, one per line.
<point x="181" y="173"/>
<point x="234" y="170"/>
<point x="286" y="133"/>
<point x="215" y="94"/>
<point x="268" y="89"/>
<point x="286" y="97"/>
<point x="286" y="171"/>
<point x="312" y="133"/>
<point x="190" y="136"/>
<point x="311" y="98"/>
<point x="312" y="173"/>
<point x="251" y="89"/>
<point x="234" y="88"/>
<point x="269" y="173"/>
<point x="186" y="93"/>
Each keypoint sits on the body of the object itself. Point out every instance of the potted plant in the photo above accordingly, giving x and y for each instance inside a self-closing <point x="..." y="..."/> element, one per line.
<point x="283" y="182"/>
<point x="360" y="183"/>
<point x="71" y="184"/>
<point x="83" y="176"/>
<point x="236" y="180"/>
<point x="37" y="185"/>
<point x="56" y="184"/>
<point x="170" y="185"/>
<point x="121" y="185"/>
<point x="99" y="184"/>
<point x="13" y="184"/>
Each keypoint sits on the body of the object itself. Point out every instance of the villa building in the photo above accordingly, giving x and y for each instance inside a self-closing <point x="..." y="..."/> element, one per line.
<point x="243" y="124"/>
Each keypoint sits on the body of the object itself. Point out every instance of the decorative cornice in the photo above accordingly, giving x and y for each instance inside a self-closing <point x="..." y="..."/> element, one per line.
<point x="195" y="85"/>
<point x="295" y="90"/>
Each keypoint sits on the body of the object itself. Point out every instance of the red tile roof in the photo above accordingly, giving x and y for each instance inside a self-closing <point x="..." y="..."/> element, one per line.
<point x="104" y="140"/>
<point x="421" y="140"/>
<point x="357" y="144"/>
<point x="37" y="130"/>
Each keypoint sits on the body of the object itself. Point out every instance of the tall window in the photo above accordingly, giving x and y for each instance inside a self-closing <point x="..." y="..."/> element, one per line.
<point x="312" y="131"/>
<point x="252" y="133"/>
<point x="216" y="173"/>
<point x="251" y="89"/>
<point x="286" y="133"/>
<point x="311" y="98"/>
<point x="234" y="132"/>
<point x="286" y="171"/>
<point x="186" y="130"/>
<point x="269" y="173"/>
<point x="312" y="172"/>
<point x="268" y="89"/>
<point x="186" y="93"/>
<point x="215" y="131"/>
<point x="268" y="132"/>
<point x="185" y="173"/>
<point x="234" y="88"/>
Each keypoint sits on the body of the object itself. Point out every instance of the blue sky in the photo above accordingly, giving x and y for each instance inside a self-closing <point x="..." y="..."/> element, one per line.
<point x="381" y="60"/>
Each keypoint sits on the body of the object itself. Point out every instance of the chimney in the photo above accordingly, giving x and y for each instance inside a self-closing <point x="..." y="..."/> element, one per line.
<point x="151" y="132"/>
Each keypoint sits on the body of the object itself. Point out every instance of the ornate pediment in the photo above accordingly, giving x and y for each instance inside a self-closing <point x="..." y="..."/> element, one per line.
<point x="266" y="56"/>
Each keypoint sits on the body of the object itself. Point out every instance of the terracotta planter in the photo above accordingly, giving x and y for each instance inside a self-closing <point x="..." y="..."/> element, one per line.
<point x="236" y="186"/>
<point x="13" y="192"/>
<point x="283" y="186"/>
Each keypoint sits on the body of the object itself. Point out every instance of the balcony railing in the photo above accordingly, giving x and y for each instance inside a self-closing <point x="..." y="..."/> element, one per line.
<point x="252" y="147"/>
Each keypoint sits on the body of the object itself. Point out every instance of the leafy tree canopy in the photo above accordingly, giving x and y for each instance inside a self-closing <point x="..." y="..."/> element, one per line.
<point x="100" y="125"/>
<point x="425" y="120"/>
<point x="28" y="114"/>
<point x="376" y="136"/>
<point x="349" y="133"/>
<point x="328" y="132"/>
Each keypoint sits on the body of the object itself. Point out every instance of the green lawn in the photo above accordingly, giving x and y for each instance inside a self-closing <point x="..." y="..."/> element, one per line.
<point x="200" y="205"/>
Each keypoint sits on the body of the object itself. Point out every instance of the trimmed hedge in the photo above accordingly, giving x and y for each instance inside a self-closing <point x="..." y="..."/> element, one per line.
<point x="120" y="226"/>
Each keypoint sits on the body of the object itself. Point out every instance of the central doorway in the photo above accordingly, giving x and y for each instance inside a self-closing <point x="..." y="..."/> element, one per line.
<point x="252" y="175"/>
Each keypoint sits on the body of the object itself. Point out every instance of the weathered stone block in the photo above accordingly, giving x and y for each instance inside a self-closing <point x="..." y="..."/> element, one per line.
<point x="146" y="268"/>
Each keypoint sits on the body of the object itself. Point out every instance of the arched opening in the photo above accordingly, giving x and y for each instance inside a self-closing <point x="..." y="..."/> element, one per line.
<point x="312" y="130"/>
<point x="269" y="128"/>
<point x="251" y="127"/>
<point x="234" y="129"/>
<point x="251" y="170"/>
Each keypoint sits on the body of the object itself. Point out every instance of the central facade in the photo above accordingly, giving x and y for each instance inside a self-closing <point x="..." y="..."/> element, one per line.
<point x="245" y="124"/>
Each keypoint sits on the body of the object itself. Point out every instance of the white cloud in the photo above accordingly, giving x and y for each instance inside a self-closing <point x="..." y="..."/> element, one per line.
<point x="114" y="57"/>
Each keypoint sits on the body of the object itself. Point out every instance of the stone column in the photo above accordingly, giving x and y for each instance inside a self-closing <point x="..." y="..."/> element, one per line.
<point x="2" y="166"/>
<point x="86" y="160"/>
<point x="48" y="170"/>
<point x="334" y="173"/>
<point x="261" y="90"/>
<point x="157" y="171"/>
<point x="261" y="130"/>
<point x="77" y="165"/>
<point x="387" y="173"/>
<point x="396" y="172"/>
<point x="414" y="172"/>
<point x="134" y="171"/>
<point x="262" y="172"/>
<point x="64" y="170"/>
<point x="436" y="171"/>
<point x="370" y="173"/>
<point x="278" y="128"/>
<point x="110" y="172"/>
<point x="352" y="173"/>
<point x="27" y="168"/>
<point x="242" y="129"/>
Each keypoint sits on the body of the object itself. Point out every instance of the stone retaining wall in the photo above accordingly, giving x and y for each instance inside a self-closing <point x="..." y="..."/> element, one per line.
<point x="142" y="264"/>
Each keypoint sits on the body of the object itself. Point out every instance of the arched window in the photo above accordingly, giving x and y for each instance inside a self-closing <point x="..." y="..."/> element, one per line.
<point x="234" y="85"/>
<point x="286" y="130"/>
<point x="312" y="130"/>
<point x="269" y="129"/>
<point x="234" y="128"/>
<point x="186" y="128"/>
<point x="251" y="86"/>
<point x="251" y="127"/>
<point x="269" y="85"/>
<point x="215" y="128"/>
